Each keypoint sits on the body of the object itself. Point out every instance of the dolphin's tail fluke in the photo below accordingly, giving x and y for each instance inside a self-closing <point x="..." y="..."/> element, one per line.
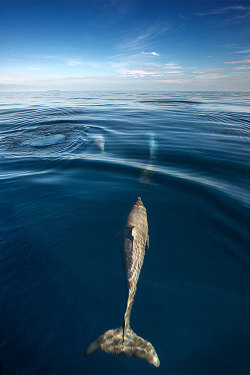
<point x="116" y="341"/>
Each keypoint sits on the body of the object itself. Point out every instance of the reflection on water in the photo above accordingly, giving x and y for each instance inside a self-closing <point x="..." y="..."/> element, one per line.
<point x="147" y="173"/>
<point x="71" y="165"/>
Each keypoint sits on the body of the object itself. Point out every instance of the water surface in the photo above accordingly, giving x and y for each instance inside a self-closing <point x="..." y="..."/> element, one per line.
<point x="71" y="166"/>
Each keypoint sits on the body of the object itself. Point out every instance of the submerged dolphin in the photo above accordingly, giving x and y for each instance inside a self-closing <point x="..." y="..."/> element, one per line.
<point x="123" y="340"/>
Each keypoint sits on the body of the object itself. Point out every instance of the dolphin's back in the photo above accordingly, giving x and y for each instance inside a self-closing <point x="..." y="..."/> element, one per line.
<point x="135" y="239"/>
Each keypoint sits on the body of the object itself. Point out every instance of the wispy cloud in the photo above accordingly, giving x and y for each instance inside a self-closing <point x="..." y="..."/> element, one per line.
<point x="14" y="77"/>
<point x="247" y="61"/>
<point x="73" y="62"/>
<point x="150" y="53"/>
<point x="159" y="70"/>
<point x="229" y="15"/>
<point x="241" y="68"/>
<point x="128" y="60"/>
<point x="148" y="77"/>
<point x="223" y="10"/>
<point x="211" y="76"/>
<point x="24" y="77"/>
<point x="66" y="60"/>
<point x="175" y="81"/>
<point x="144" y="39"/>
<point x="139" y="73"/>
<point x="243" y="51"/>
<point x="208" y="70"/>
<point x="172" y="66"/>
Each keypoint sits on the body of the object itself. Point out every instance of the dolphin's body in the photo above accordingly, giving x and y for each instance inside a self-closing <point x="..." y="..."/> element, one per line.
<point x="123" y="340"/>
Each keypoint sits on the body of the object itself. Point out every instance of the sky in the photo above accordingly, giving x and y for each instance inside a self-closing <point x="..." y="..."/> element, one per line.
<point x="125" y="45"/>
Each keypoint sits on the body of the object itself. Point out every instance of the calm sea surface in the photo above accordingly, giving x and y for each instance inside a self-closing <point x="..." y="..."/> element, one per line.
<point x="71" y="166"/>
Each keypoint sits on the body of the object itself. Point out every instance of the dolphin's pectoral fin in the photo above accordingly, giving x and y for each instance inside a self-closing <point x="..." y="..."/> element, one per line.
<point x="148" y="242"/>
<point x="118" y="234"/>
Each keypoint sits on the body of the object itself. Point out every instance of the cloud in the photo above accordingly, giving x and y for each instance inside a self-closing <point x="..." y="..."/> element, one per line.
<point x="139" y="73"/>
<point x="28" y="78"/>
<point x="242" y="68"/>
<point x="247" y="61"/>
<point x="150" y="53"/>
<point x="210" y="70"/>
<point x="225" y="10"/>
<point x="211" y="76"/>
<point x="162" y="70"/>
<point x="243" y="51"/>
<point x="68" y="61"/>
<point x="148" y="78"/>
<point x="143" y="39"/>
<point x="80" y="62"/>
<point x="15" y="77"/>
<point x="67" y="78"/>
<point x="131" y="69"/>
<point x="134" y="61"/>
<point x="73" y="62"/>
<point x="34" y="68"/>
<point x="178" y="81"/>
<point x="172" y="65"/>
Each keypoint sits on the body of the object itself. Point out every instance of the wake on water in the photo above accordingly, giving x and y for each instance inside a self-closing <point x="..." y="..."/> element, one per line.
<point x="44" y="141"/>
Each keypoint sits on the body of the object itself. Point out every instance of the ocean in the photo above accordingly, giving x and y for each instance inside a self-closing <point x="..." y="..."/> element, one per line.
<point x="72" y="164"/>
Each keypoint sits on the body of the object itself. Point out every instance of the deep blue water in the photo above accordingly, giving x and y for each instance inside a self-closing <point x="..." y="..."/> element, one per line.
<point x="63" y="200"/>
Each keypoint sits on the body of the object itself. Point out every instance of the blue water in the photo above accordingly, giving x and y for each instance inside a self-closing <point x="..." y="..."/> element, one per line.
<point x="71" y="166"/>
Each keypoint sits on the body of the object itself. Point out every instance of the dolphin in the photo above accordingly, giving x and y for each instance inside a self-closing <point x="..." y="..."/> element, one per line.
<point x="123" y="340"/>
